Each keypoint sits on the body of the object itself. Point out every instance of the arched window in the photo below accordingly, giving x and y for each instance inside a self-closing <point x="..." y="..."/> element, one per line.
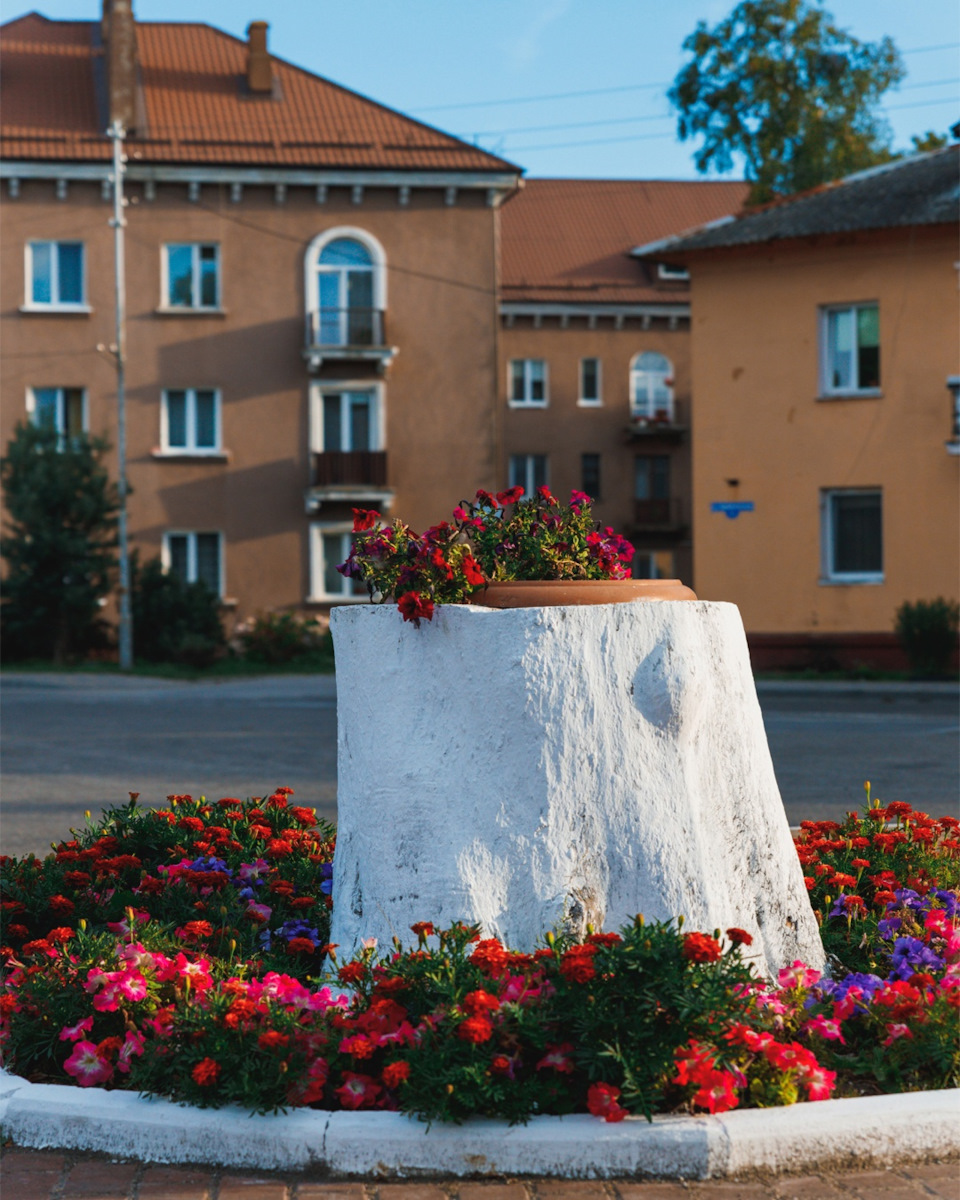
<point x="345" y="289"/>
<point x="651" y="386"/>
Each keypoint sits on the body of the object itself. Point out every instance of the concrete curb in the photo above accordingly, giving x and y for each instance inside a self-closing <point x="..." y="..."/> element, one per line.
<point x="872" y="1131"/>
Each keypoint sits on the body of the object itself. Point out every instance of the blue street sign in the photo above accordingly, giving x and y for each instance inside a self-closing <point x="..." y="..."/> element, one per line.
<point x="731" y="509"/>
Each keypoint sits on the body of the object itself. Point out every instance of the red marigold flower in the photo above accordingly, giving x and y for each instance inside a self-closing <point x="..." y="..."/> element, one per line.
<point x="480" y="1002"/>
<point x="839" y="879"/>
<point x="278" y="848"/>
<point x="422" y="928"/>
<point x="18" y="931"/>
<point x="351" y="972"/>
<point x="76" y="879"/>
<point x="39" y="946"/>
<point x="604" y="939"/>
<point x="239" y="1011"/>
<point x="475" y="1029"/>
<point x="577" y="965"/>
<point x="272" y="1039"/>
<point x="307" y="817"/>
<point x="396" y="1073"/>
<point x="701" y="948"/>
<point x="61" y="934"/>
<point x="490" y="956"/>
<point x="196" y="929"/>
<point x="193" y="823"/>
<point x="60" y="904"/>
<point x="860" y="863"/>
<point x="300" y="945"/>
<point x="500" y="1064"/>
<point x="205" y="1072"/>
<point x="602" y="1102"/>
<point x="740" y="937"/>
<point x="413" y="607"/>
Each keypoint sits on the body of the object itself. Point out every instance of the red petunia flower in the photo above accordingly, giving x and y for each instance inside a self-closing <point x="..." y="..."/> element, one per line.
<point x="413" y="607"/>
<point x="602" y="1102"/>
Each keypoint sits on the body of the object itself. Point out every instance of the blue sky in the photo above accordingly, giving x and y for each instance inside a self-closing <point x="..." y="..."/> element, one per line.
<point x="561" y="87"/>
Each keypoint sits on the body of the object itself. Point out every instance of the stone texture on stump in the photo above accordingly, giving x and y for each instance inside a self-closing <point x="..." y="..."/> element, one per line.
<point x="545" y="767"/>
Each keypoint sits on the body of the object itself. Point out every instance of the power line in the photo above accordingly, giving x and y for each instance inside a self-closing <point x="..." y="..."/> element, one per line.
<point x="567" y="125"/>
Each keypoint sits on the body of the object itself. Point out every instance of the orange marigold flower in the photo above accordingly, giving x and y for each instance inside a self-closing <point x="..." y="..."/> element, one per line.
<point x="300" y="945"/>
<point x="396" y="1073"/>
<point x="701" y="948"/>
<point x="205" y="1072"/>
<point x="351" y="972"/>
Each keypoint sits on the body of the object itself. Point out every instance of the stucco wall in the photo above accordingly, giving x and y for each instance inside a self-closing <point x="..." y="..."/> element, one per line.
<point x="440" y="389"/>
<point x="755" y="383"/>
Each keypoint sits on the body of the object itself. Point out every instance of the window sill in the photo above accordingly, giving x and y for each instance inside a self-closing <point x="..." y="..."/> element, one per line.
<point x="866" y="394"/>
<point x="191" y="456"/>
<point x="589" y="404"/>
<point x="229" y="602"/>
<point x="851" y="581"/>
<point x="56" y="310"/>
<point x="528" y="404"/>
<point x="161" y="311"/>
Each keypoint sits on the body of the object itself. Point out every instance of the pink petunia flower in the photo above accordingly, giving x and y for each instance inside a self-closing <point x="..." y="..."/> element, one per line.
<point x="86" y="1065"/>
<point x="73" y="1033"/>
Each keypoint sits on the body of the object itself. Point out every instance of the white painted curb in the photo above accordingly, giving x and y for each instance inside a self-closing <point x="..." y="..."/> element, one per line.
<point x="867" y="1132"/>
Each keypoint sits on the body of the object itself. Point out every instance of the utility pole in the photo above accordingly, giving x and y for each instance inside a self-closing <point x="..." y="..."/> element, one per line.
<point x="117" y="133"/>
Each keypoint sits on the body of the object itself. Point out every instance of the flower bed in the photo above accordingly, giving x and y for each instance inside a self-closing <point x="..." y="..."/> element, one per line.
<point x="181" y="953"/>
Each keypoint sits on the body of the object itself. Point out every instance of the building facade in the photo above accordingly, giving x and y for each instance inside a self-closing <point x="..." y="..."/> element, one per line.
<point x="594" y="370"/>
<point x="824" y="373"/>
<point x="311" y="295"/>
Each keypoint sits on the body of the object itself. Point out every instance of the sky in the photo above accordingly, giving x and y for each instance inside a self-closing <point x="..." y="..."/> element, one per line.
<point x="559" y="87"/>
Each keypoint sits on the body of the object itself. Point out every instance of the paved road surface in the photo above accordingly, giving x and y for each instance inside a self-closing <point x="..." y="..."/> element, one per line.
<point x="72" y="742"/>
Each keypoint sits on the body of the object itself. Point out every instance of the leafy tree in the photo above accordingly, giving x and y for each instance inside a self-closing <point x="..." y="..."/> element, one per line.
<point x="174" y="621"/>
<point x="931" y="140"/>
<point x="60" y="543"/>
<point x="780" y="84"/>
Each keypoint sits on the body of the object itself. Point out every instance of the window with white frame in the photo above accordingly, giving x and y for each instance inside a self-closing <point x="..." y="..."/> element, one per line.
<point x="190" y="421"/>
<point x="850" y="349"/>
<point x="191" y="275"/>
<point x="61" y="408"/>
<point x="346" y="421"/>
<point x="346" y="288"/>
<point x="330" y="546"/>
<point x="651" y="385"/>
<point x="528" y="471"/>
<point x="55" y="275"/>
<point x="590" y="381"/>
<point x="851" y="535"/>
<point x="528" y="382"/>
<point x="672" y="271"/>
<point x="195" y="558"/>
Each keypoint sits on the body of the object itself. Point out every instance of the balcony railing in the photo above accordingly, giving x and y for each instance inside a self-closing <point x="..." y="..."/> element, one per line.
<point x="350" y="469"/>
<point x="663" y="420"/>
<point x="663" y="515"/>
<point x="332" y="328"/>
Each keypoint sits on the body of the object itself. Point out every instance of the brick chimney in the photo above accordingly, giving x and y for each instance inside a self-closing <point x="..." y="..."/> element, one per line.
<point x="259" y="69"/>
<point x="120" y="39"/>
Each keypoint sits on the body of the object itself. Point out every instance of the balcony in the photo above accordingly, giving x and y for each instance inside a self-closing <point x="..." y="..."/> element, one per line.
<point x="350" y="477"/>
<point x="669" y="422"/>
<point x="347" y="335"/>
<point x="661" y="516"/>
<point x="953" y="384"/>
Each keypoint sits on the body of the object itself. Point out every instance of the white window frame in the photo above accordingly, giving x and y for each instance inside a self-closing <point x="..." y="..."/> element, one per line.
<point x="311" y="264"/>
<point x="191" y="536"/>
<point x="527" y="384"/>
<point x="318" y="531"/>
<point x="827" y="574"/>
<point x="31" y="406"/>
<point x="529" y="484"/>
<point x="597" y="401"/>
<point x="636" y="371"/>
<point x="378" y="413"/>
<point x="54" y="304"/>
<point x="826" y="387"/>
<point x="191" y="447"/>
<point x="672" y="271"/>
<point x="195" y="279"/>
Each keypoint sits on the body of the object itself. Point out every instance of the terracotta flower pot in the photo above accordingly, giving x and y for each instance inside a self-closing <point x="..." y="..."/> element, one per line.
<point x="551" y="593"/>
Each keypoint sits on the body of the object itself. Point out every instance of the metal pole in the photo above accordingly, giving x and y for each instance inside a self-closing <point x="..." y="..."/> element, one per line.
<point x="125" y="632"/>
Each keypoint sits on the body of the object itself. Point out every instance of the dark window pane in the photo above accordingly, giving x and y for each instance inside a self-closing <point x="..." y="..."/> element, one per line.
<point x="517" y="392"/>
<point x="180" y="276"/>
<point x="177" y="419"/>
<point x="208" y="560"/>
<point x="70" y="272"/>
<point x="644" y="565"/>
<point x="518" y="470"/>
<point x="73" y="411"/>
<point x="209" y="290"/>
<point x="331" y="423"/>
<point x="857" y="533"/>
<point x="179" y="555"/>
<point x="539" y="470"/>
<point x="537" y="380"/>
<point x="334" y="553"/>
<point x="661" y="477"/>
<point x="45" y="407"/>
<point x="360" y="423"/>
<point x="206" y="421"/>
<point x="589" y="379"/>
<point x="41" y="254"/>
<point x="590" y="475"/>
<point x="652" y="477"/>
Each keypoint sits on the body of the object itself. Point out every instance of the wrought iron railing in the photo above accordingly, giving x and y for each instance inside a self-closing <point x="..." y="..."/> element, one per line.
<point x="350" y="468"/>
<point x="346" y="327"/>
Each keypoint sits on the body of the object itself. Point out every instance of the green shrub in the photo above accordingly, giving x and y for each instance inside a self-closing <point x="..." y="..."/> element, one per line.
<point x="276" y="637"/>
<point x="174" y="621"/>
<point x="928" y="634"/>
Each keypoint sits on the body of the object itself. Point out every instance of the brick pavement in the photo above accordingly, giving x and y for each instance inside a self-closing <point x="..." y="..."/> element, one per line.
<point x="46" y="1175"/>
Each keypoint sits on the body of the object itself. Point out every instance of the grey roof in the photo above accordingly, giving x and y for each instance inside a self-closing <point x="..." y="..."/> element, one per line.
<point x="923" y="189"/>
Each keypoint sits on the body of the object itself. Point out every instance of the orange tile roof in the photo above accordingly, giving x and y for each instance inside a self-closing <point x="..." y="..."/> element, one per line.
<point x="197" y="109"/>
<point x="569" y="240"/>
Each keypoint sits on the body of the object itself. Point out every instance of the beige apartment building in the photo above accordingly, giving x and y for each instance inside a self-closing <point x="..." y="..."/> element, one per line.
<point x="594" y="355"/>
<point x="825" y="378"/>
<point x="311" y="295"/>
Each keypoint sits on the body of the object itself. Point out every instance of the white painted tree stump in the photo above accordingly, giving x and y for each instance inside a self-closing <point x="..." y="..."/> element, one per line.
<point x="545" y="767"/>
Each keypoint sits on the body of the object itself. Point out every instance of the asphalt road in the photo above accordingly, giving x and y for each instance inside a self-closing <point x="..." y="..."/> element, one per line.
<point x="72" y="742"/>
